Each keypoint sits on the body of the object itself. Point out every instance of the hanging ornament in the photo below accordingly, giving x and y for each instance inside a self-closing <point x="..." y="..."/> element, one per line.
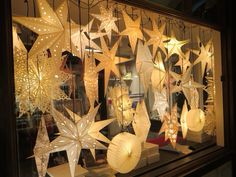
<point x="108" y="61"/>
<point x="194" y="101"/>
<point x="184" y="83"/>
<point x="170" y="126"/>
<point x="156" y="37"/>
<point x="195" y="120"/>
<point x="183" y="119"/>
<point x="184" y="63"/>
<point x="53" y="29"/>
<point x="91" y="80"/>
<point x="76" y="136"/>
<point x="210" y="122"/>
<point x="210" y="91"/>
<point x="124" y="152"/>
<point x="107" y="20"/>
<point x="132" y="30"/>
<point x="144" y="65"/>
<point x="160" y="103"/>
<point x="141" y="122"/>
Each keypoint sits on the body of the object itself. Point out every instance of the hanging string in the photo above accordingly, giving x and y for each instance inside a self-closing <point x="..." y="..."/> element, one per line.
<point x="136" y="58"/>
<point x="80" y="27"/>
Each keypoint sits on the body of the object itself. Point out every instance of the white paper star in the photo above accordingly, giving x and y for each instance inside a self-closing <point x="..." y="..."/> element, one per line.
<point x="184" y="63"/>
<point x="132" y="30"/>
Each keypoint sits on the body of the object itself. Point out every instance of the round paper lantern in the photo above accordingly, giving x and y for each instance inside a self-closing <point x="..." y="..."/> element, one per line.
<point x="195" y="120"/>
<point x="124" y="152"/>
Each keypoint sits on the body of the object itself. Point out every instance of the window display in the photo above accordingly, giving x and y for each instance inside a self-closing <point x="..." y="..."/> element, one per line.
<point x="153" y="76"/>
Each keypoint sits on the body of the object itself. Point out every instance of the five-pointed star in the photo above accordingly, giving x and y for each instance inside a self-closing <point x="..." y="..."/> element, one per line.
<point x="107" y="21"/>
<point x="53" y="29"/>
<point x="42" y="149"/>
<point x="174" y="46"/>
<point x="184" y="83"/>
<point x="170" y="126"/>
<point x="108" y="61"/>
<point x="76" y="136"/>
<point x="184" y="63"/>
<point x="132" y="30"/>
<point x="205" y="55"/>
<point x="183" y="120"/>
<point x="156" y="38"/>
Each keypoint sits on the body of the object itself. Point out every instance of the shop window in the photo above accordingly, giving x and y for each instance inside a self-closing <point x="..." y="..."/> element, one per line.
<point x="104" y="88"/>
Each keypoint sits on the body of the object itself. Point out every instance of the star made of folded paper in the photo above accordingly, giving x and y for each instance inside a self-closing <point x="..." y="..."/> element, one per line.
<point x="132" y="30"/>
<point x="183" y="120"/>
<point x="184" y="63"/>
<point x="84" y="134"/>
<point x="108" y="61"/>
<point x="107" y="20"/>
<point x="156" y="38"/>
<point x="53" y="29"/>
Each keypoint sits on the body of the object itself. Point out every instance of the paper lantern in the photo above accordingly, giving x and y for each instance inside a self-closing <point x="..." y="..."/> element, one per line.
<point x="195" y="120"/>
<point x="124" y="152"/>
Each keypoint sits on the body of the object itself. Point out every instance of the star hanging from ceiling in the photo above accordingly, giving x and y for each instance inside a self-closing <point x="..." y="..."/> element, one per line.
<point x="107" y="21"/>
<point x="53" y="29"/>
<point x="76" y="136"/>
<point x="184" y="83"/>
<point x="108" y="61"/>
<point x="184" y="63"/>
<point x="174" y="46"/>
<point x="132" y="30"/>
<point x="156" y="38"/>
<point x="170" y="126"/>
<point x="183" y="119"/>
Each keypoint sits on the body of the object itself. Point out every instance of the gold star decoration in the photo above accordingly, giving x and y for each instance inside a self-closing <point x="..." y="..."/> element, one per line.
<point x="132" y="30"/>
<point x="156" y="38"/>
<point x="107" y="21"/>
<point x="184" y="83"/>
<point x="76" y="136"/>
<point x="170" y="126"/>
<point x="174" y="46"/>
<point x="108" y="61"/>
<point x="52" y="28"/>
<point x="184" y="63"/>
<point x="183" y="120"/>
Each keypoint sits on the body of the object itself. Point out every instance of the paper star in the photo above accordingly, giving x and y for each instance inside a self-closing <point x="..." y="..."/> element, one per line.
<point x="132" y="30"/>
<point x="108" y="61"/>
<point x="174" y="46"/>
<point x="91" y="80"/>
<point x="76" y="136"/>
<point x="184" y="63"/>
<point x="183" y="120"/>
<point x="52" y="28"/>
<point x="144" y="65"/>
<point x="170" y="126"/>
<point x="205" y="55"/>
<point x="184" y="83"/>
<point x="141" y="122"/>
<point x="107" y="21"/>
<point x="160" y="103"/>
<point x="156" y="38"/>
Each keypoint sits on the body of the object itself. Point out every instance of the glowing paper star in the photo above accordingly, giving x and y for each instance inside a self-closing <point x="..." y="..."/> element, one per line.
<point x="132" y="30"/>
<point x="160" y="103"/>
<point x="76" y="136"/>
<point x="91" y="80"/>
<point x="183" y="120"/>
<point x="144" y="64"/>
<point x="184" y="63"/>
<point x="107" y="21"/>
<point x="174" y="46"/>
<point x="141" y="123"/>
<point x="205" y="55"/>
<point x="42" y="149"/>
<point x="156" y="38"/>
<point x="108" y="61"/>
<point x="170" y="126"/>
<point x="52" y="28"/>
<point x="185" y="83"/>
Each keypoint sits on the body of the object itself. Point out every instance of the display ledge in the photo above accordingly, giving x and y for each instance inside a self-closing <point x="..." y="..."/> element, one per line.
<point x="194" y="164"/>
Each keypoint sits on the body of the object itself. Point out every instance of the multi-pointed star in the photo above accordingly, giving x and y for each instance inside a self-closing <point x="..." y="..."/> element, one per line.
<point x="107" y="21"/>
<point x="132" y="30"/>
<point x="108" y="61"/>
<point x="53" y="29"/>
<point x="183" y="119"/>
<point x="174" y="46"/>
<point x="184" y="83"/>
<point x="156" y="38"/>
<point x="76" y="136"/>
<point x="184" y="63"/>
<point x="170" y="126"/>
